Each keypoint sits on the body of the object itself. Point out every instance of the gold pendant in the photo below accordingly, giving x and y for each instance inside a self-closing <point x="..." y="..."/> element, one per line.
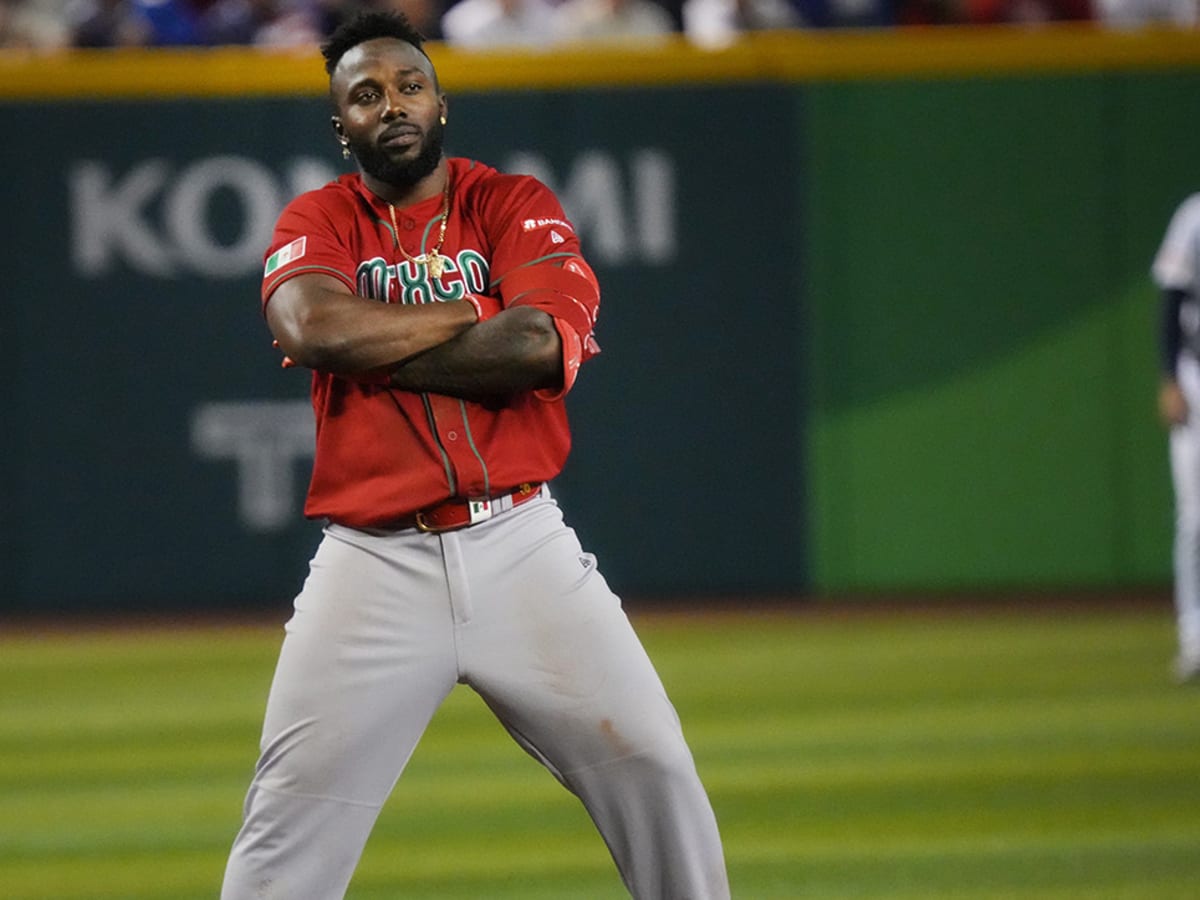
<point x="436" y="263"/>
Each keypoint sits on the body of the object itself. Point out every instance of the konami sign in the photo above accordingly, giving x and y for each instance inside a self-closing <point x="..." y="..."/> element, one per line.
<point x="156" y="218"/>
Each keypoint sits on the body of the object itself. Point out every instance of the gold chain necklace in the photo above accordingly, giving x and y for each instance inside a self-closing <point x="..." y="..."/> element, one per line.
<point x="433" y="258"/>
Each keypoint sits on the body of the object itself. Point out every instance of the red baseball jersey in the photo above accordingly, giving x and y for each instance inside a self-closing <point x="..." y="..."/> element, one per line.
<point x="382" y="454"/>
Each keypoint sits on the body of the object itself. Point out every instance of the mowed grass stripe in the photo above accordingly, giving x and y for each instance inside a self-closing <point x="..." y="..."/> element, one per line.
<point x="180" y="875"/>
<point x="978" y="753"/>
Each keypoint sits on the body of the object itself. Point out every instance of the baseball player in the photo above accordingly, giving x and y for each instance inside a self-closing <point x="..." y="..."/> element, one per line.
<point x="1176" y="271"/>
<point x="444" y="310"/>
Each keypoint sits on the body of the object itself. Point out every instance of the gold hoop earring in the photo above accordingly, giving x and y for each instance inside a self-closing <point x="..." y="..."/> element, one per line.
<point x="443" y="120"/>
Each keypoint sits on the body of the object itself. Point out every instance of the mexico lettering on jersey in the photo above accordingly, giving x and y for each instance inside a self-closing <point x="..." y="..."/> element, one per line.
<point x="409" y="282"/>
<point x="383" y="454"/>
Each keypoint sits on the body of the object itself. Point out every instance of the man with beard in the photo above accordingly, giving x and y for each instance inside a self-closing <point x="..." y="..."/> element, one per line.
<point x="444" y="310"/>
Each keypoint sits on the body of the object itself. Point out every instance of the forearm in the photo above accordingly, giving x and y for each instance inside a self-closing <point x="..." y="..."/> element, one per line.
<point x="516" y="351"/>
<point x="349" y="335"/>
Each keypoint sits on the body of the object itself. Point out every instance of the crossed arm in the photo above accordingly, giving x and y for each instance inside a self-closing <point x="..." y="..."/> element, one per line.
<point x="437" y="347"/>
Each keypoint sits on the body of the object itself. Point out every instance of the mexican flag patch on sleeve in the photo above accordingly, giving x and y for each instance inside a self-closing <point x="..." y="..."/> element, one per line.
<point x="285" y="255"/>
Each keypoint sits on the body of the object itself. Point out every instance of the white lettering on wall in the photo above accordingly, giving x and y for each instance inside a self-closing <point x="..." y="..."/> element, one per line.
<point x="156" y="221"/>
<point x="185" y="213"/>
<point x="107" y="219"/>
<point x="264" y="438"/>
<point x="653" y="193"/>
<point x="620" y="219"/>
<point x="154" y="218"/>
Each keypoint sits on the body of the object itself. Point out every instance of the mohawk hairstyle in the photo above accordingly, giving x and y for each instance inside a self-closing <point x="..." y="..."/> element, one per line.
<point x="367" y="26"/>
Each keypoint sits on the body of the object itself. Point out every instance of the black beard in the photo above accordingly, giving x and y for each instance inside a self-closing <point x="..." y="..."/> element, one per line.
<point x="376" y="163"/>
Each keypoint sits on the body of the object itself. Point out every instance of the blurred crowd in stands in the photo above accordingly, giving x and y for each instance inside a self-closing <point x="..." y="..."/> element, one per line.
<point x="50" y="25"/>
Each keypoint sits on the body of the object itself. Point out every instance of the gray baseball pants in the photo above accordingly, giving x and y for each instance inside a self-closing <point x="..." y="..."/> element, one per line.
<point x="385" y="626"/>
<point x="1185" y="473"/>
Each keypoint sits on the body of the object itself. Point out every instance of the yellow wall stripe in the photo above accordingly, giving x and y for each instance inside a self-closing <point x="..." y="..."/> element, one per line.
<point x="780" y="57"/>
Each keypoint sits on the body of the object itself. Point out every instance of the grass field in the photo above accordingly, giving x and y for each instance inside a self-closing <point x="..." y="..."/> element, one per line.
<point x="981" y="752"/>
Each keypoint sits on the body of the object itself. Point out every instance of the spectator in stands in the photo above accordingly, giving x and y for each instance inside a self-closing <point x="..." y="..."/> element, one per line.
<point x="1139" y="13"/>
<point x="329" y="14"/>
<point x="613" y="21"/>
<point x="171" y="23"/>
<point x="425" y="15"/>
<point x="119" y="23"/>
<point x="26" y="26"/>
<point x="106" y="23"/>
<point x="483" y="24"/>
<point x="846" y="13"/>
<point x="930" y="12"/>
<point x="1027" y="12"/>
<point x="263" y="23"/>
<point x="718" y="23"/>
<point x="991" y="12"/>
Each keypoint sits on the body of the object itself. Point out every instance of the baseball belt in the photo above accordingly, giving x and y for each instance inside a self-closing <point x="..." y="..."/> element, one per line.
<point x="455" y="514"/>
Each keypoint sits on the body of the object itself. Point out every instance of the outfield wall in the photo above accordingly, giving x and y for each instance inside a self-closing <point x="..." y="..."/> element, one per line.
<point x="876" y="310"/>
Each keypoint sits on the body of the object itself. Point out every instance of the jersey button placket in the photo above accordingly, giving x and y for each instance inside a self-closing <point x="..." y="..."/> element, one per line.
<point x="451" y="437"/>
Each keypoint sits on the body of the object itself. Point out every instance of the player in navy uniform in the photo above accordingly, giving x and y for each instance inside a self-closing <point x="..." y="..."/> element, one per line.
<point x="1176" y="271"/>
